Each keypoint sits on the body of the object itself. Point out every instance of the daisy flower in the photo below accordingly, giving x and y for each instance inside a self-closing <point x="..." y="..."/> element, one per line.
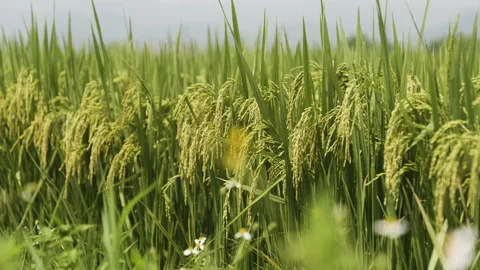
<point x="459" y="248"/>
<point x="199" y="243"/>
<point x="243" y="233"/>
<point x="202" y="238"/>
<point x="392" y="228"/>
<point x="199" y="246"/>
<point x="189" y="251"/>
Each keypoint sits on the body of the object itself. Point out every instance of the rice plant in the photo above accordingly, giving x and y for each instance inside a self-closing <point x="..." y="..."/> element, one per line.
<point x="239" y="157"/>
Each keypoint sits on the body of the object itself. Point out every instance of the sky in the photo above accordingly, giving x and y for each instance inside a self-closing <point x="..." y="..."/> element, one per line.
<point x="153" y="20"/>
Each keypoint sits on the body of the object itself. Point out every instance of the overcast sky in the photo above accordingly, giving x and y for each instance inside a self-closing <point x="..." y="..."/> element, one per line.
<point x="153" y="19"/>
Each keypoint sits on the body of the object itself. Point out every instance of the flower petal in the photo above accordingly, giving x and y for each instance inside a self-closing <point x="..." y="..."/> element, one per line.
<point x="391" y="228"/>
<point x="187" y="251"/>
<point x="202" y="239"/>
<point x="459" y="248"/>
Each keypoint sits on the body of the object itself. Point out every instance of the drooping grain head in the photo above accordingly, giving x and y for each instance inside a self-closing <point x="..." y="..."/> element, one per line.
<point x="455" y="162"/>
<point x="409" y="118"/>
<point x="128" y="153"/>
<point x="81" y="126"/>
<point x="304" y="145"/>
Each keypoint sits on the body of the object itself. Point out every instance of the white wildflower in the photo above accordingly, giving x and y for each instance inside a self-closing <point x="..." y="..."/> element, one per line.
<point x="392" y="228"/>
<point x="199" y="243"/>
<point x="189" y="251"/>
<point x="233" y="183"/>
<point x="199" y="246"/>
<point x="459" y="248"/>
<point x="243" y="233"/>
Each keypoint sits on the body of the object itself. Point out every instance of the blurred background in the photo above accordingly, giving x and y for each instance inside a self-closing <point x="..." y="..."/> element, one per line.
<point x="156" y="21"/>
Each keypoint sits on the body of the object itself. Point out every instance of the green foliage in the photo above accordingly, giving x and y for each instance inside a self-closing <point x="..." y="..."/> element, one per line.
<point x="155" y="149"/>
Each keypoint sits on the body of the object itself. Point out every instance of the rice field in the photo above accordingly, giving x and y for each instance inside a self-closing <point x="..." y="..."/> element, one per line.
<point x="279" y="155"/>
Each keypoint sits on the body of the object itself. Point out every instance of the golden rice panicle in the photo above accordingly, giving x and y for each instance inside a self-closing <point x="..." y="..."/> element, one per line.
<point x="249" y="112"/>
<point x="167" y="193"/>
<point x="304" y="144"/>
<point x="150" y="115"/>
<point x="91" y="116"/>
<point x="344" y="120"/>
<point x="409" y="117"/>
<point x="45" y="116"/>
<point x="109" y="134"/>
<point x="339" y="124"/>
<point x="128" y="153"/>
<point x="474" y="171"/>
<point x="32" y="132"/>
<point x="455" y="161"/>
<point x="133" y="101"/>
<point x="42" y="129"/>
<point x="476" y="83"/>
<point x="194" y="114"/>
<point x="21" y="103"/>
<point x="42" y="125"/>
<point x="207" y="144"/>
<point x="342" y="75"/>
<point x="222" y="123"/>
<point x="248" y="115"/>
<point x="414" y="85"/>
<point x="122" y="81"/>
<point x="316" y="71"/>
<point x="62" y="83"/>
<point x="246" y="144"/>
<point x="294" y="93"/>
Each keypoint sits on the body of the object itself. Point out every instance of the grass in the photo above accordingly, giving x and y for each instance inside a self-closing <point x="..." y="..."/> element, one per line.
<point x="121" y="156"/>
